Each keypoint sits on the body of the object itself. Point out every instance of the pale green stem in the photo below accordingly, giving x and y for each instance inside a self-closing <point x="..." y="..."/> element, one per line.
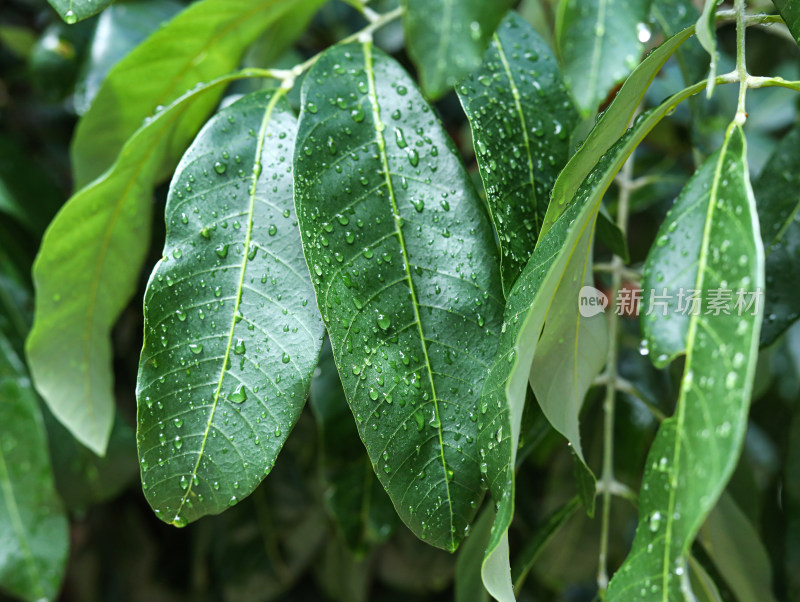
<point x="741" y="65"/>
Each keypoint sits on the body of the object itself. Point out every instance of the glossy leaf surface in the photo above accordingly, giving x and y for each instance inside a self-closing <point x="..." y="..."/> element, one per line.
<point x="521" y="117"/>
<point x="406" y="271"/>
<point x="447" y="38"/>
<point x="232" y="334"/>
<point x="709" y="242"/>
<point x="790" y="11"/>
<point x="599" y="43"/>
<point x="72" y="11"/>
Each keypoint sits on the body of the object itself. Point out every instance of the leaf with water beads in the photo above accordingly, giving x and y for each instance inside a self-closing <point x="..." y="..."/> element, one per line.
<point x="72" y="11"/>
<point x="232" y="334"/>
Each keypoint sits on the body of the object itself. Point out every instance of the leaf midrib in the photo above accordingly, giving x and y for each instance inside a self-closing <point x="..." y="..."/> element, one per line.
<point x="381" y="142"/>
<point x="240" y="287"/>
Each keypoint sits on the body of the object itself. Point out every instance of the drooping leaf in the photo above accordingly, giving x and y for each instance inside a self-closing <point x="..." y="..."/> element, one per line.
<point x="85" y="274"/>
<point x="521" y="118"/>
<point x="406" y="271"/>
<point x="611" y="235"/>
<point x="708" y="243"/>
<point x="599" y="43"/>
<point x="119" y="30"/>
<point x="733" y="544"/>
<point x="467" y="581"/>
<point x="778" y="201"/>
<point x="33" y="528"/>
<point x="447" y="38"/>
<point x="203" y="42"/>
<point x="707" y="36"/>
<point x="790" y="11"/>
<point x="703" y="586"/>
<point x="355" y="499"/>
<point x="73" y="11"/>
<point x="232" y="335"/>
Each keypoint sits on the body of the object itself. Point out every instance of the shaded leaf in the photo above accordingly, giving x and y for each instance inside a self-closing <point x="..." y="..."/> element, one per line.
<point x="708" y="242"/>
<point x="790" y="11"/>
<point x="33" y="527"/>
<point x="447" y="38"/>
<point x="467" y="581"/>
<point x="521" y="118"/>
<point x="599" y="44"/>
<point x="703" y="586"/>
<point x="231" y="332"/>
<point x="707" y="36"/>
<point x="610" y="234"/>
<point x="73" y="11"/>
<point x="382" y="199"/>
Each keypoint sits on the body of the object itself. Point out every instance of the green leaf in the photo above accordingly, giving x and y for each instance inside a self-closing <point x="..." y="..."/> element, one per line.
<point x="611" y="235"/>
<point x="86" y="272"/>
<point x="355" y="499"/>
<point x="599" y="44"/>
<point x="708" y="242"/>
<point x="201" y="43"/>
<point x="33" y="527"/>
<point x="467" y="581"/>
<point x="405" y="266"/>
<point x="73" y="11"/>
<point x="790" y="12"/>
<point x="703" y="586"/>
<point x="521" y="118"/>
<point x="119" y="30"/>
<point x="707" y="36"/>
<point x="232" y="335"/>
<point x="734" y="546"/>
<point x="778" y="201"/>
<point x="448" y="38"/>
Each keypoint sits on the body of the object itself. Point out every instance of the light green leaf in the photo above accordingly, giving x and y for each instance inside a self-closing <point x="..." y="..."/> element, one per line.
<point x="790" y="11"/>
<point x="778" y="201"/>
<point x="232" y="335"/>
<point x="707" y="36"/>
<point x="33" y="528"/>
<point x="406" y="271"/>
<point x="467" y="581"/>
<point x="733" y="544"/>
<point x="703" y="586"/>
<point x="201" y="43"/>
<point x="599" y="44"/>
<point x="521" y="118"/>
<point x="73" y="11"/>
<point x="447" y="38"/>
<point x="709" y="242"/>
<point x="86" y="272"/>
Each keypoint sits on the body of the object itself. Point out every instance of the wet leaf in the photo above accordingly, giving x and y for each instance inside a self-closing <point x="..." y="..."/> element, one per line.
<point x="521" y="119"/>
<point x="790" y="12"/>
<point x="600" y="43"/>
<point x="72" y="11"/>
<point x="232" y="335"/>
<point x="709" y="242"/>
<point x="33" y="528"/>
<point x="405" y="266"/>
<point x="447" y="39"/>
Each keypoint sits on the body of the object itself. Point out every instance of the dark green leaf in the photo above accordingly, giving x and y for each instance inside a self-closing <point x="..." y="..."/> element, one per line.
<point x="383" y="201"/>
<point x="201" y="43"/>
<point x="790" y="11"/>
<point x="33" y="527"/>
<point x="232" y="335"/>
<point x="447" y="38"/>
<point x="86" y="273"/>
<point x="610" y="234"/>
<point x="521" y="118"/>
<point x="708" y="242"/>
<point x="599" y="44"/>
<point x="778" y="200"/>
<point x="73" y="11"/>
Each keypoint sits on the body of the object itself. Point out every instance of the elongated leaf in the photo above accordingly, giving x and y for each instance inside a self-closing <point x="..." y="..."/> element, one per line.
<point x="521" y="118"/>
<point x="33" y="528"/>
<point x="707" y="36"/>
<point x="527" y="309"/>
<point x="447" y="38"/>
<point x="703" y="586"/>
<point x="709" y="242"/>
<point x="406" y="271"/>
<point x="599" y="44"/>
<point x="232" y="335"/>
<point x="73" y="11"/>
<point x="790" y="12"/>
<point x="119" y="30"/>
<point x="778" y="200"/>
<point x="201" y="43"/>
<point x="467" y="581"/>
<point x="85" y="274"/>
<point x="734" y="546"/>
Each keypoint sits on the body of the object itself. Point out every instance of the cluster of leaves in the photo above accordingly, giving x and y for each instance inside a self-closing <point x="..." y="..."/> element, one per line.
<point x="325" y="241"/>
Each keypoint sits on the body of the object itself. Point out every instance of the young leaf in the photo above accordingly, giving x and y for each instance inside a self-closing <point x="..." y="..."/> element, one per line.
<point x="707" y="36"/>
<point x="201" y="43"/>
<point x="33" y="528"/>
<point x="778" y="202"/>
<point x="447" y="39"/>
<point x="86" y="273"/>
<point x="708" y="243"/>
<point x="521" y="118"/>
<point x="599" y="44"/>
<point x="406" y="271"/>
<point x="73" y="11"/>
<point x="232" y="335"/>
<point x="790" y="11"/>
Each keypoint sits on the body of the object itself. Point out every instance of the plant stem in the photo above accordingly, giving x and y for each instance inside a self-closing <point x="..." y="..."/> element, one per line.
<point x="741" y="65"/>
